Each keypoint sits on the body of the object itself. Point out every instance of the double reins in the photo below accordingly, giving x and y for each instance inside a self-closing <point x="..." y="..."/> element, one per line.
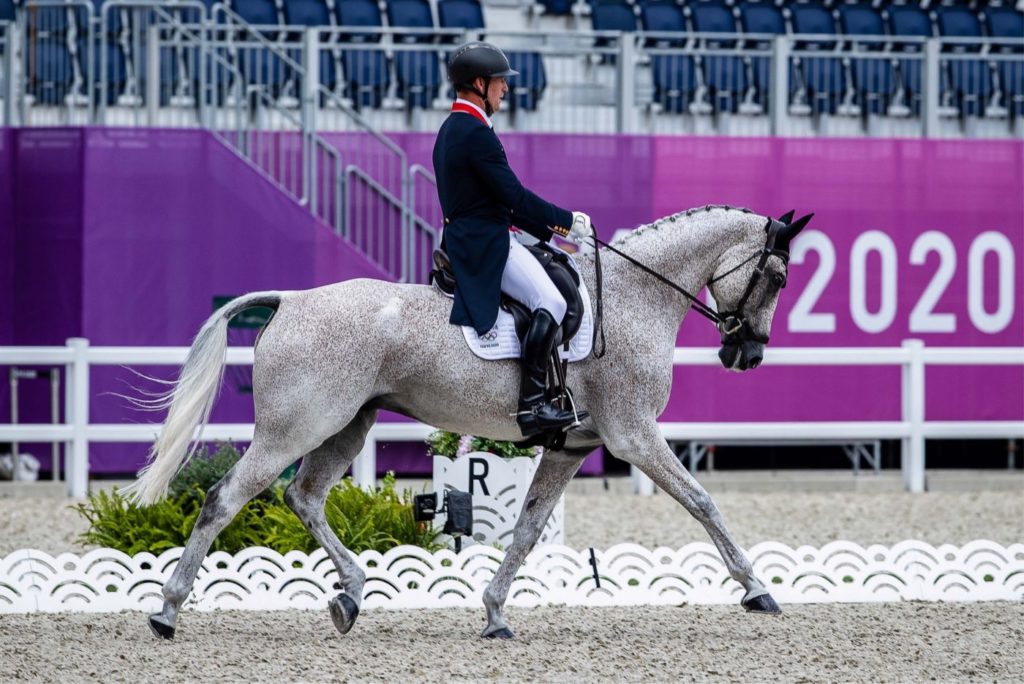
<point x="728" y="324"/>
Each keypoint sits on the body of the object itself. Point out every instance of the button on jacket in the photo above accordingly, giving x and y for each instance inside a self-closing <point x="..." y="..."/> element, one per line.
<point x="481" y="198"/>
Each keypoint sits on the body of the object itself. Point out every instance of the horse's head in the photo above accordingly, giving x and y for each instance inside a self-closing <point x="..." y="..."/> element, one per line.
<point x="746" y="285"/>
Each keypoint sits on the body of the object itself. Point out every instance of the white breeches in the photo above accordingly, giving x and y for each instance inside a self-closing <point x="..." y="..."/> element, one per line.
<point x="525" y="281"/>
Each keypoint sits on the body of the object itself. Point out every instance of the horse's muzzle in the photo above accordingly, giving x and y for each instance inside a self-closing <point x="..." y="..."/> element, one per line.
<point x="746" y="355"/>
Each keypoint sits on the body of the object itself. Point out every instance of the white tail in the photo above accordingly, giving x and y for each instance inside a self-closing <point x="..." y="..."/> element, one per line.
<point x="190" y="400"/>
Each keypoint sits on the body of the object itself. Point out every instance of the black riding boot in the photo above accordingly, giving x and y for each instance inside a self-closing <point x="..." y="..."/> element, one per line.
<point x="536" y="414"/>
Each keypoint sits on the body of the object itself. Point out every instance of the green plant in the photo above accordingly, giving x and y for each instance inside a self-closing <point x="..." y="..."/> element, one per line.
<point x="379" y="520"/>
<point x="450" y="444"/>
<point x="204" y="470"/>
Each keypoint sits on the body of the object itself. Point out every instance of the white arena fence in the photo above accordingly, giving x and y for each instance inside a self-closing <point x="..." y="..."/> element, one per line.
<point x="913" y="429"/>
<point x="106" y="580"/>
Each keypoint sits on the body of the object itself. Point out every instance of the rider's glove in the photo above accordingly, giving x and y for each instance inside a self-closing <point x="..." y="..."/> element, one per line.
<point x="581" y="230"/>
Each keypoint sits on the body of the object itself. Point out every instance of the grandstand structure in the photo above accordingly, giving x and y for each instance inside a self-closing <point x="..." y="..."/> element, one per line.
<point x="898" y="124"/>
<point x="731" y="67"/>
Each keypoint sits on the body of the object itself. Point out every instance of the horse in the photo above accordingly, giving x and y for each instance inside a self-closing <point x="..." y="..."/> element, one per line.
<point x="332" y="356"/>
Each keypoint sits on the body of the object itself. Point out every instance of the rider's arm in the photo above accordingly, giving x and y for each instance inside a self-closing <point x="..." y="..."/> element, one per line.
<point x="529" y="211"/>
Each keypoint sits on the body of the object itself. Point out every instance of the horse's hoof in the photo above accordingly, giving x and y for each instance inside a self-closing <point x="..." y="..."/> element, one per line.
<point x="344" y="612"/>
<point x="762" y="604"/>
<point x="158" y="623"/>
<point x="502" y="633"/>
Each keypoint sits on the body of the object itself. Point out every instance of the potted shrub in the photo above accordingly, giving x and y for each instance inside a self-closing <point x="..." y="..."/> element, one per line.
<point x="498" y="475"/>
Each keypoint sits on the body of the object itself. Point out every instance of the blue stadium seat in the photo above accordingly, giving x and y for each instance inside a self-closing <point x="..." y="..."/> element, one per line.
<point x="1006" y="22"/>
<point x="557" y="7"/>
<point x="823" y="77"/>
<point x="366" y="77"/>
<point x="411" y="14"/>
<point x="724" y="75"/>
<point x="966" y="83"/>
<point x="464" y="14"/>
<point x="359" y="13"/>
<point x="418" y="78"/>
<point x="873" y="78"/>
<point x="417" y="74"/>
<point x="663" y="17"/>
<point x="50" y="72"/>
<point x="762" y="19"/>
<point x="611" y="15"/>
<point x="909" y="20"/>
<point x="256" y="12"/>
<point x="313" y="13"/>
<point x="526" y="89"/>
<point x="366" y="71"/>
<point x="675" y="81"/>
<point x="6" y="10"/>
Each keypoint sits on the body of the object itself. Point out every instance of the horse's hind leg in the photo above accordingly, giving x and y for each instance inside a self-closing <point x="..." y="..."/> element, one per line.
<point x="306" y="495"/>
<point x="655" y="458"/>
<point x="552" y="477"/>
<point x="256" y="471"/>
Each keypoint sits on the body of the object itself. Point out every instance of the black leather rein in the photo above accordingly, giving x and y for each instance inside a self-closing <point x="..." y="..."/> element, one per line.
<point x="730" y="324"/>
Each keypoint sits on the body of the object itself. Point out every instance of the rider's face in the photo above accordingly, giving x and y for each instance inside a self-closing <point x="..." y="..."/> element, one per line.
<point x="496" y="90"/>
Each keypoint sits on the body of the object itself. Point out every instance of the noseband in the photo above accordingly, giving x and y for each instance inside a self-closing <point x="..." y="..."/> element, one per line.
<point x="733" y="325"/>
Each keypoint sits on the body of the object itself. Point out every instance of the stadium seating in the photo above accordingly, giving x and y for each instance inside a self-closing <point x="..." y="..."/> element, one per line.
<point x="464" y="14"/>
<point x="823" y="77"/>
<point x="674" y="76"/>
<point x="967" y="83"/>
<point x="526" y="89"/>
<point x="6" y="10"/>
<point x="724" y="75"/>
<point x="872" y="78"/>
<point x="909" y="20"/>
<point x="611" y="15"/>
<point x="761" y="18"/>
<point x="417" y="74"/>
<point x="314" y="13"/>
<point x="366" y="71"/>
<point x="1006" y="22"/>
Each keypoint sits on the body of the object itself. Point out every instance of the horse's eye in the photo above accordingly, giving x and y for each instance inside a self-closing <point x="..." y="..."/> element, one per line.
<point x="778" y="280"/>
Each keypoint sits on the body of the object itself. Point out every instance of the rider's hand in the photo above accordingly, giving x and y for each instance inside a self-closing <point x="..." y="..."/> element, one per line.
<point x="581" y="230"/>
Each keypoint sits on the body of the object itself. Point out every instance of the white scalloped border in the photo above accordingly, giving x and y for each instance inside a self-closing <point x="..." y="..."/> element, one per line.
<point x="105" y="580"/>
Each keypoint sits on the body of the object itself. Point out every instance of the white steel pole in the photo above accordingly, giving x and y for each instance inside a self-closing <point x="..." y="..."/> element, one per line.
<point x="914" y="456"/>
<point x="77" y="463"/>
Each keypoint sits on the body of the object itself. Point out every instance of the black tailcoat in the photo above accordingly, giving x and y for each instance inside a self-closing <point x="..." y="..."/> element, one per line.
<point x="481" y="198"/>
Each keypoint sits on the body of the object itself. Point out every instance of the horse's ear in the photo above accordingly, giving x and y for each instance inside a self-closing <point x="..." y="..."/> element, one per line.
<point x="787" y="234"/>
<point x="788" y="216"/>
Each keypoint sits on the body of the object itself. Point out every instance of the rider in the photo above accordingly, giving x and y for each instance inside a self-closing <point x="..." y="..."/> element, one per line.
<point x="481" y="198"/>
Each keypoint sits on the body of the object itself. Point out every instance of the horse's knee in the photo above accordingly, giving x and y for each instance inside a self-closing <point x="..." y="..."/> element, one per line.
<point x="704" y="505"/>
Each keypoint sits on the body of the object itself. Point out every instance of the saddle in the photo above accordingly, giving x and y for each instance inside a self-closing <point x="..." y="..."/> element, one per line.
<point x="566" y="279"/>
<point x="555" y="264"/>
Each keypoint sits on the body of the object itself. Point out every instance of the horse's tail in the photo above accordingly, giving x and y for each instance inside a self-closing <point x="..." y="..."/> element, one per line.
<point x="190" y="399"/>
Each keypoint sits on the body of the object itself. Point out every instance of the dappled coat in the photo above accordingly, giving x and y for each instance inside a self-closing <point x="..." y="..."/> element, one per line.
<point x="481" y="198"/>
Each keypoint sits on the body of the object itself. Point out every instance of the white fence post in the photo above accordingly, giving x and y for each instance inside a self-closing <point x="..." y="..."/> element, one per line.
<point x="76" y="462"/>
<point x="364" y="467"/>
<point x="912" y="457"/>
<point x="642" y="485"/>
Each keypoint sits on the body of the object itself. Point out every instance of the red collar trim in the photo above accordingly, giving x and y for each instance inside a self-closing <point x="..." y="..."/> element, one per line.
<point x="467" y="109"/>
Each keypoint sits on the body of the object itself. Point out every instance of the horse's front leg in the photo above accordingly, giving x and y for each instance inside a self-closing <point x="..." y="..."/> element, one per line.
<point x="654" y="457"/>
<point x="552" y="477"/>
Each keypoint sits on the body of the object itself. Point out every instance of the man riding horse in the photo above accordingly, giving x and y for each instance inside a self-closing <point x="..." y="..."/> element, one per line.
<point x="481" y="199"/>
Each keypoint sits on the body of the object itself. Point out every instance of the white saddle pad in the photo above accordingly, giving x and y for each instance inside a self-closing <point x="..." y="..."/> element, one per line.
<point x="501" y="342"/>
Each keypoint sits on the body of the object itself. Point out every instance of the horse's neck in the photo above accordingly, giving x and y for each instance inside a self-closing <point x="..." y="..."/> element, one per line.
<point x="684" y="248"/>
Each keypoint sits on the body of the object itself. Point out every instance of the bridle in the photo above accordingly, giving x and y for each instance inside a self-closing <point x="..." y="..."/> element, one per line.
<point x="733" y="325"/>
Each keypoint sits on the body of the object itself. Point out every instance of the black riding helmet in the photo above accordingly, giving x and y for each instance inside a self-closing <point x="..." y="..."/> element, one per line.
<point x="478" y="60"/>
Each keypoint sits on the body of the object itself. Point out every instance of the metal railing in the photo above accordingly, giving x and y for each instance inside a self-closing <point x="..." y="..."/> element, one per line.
<point x="8" y="72"/>
<point x="912" y="429"/>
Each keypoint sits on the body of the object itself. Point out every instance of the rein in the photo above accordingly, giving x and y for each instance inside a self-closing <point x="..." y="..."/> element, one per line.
<point x="728" y="323"/>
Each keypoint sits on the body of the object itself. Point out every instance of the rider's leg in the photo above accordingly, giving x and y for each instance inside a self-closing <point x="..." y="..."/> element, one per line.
<point x="524" y="279"/>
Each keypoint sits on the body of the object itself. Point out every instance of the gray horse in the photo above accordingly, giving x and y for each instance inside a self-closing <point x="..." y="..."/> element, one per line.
<point x="332" y="356"/>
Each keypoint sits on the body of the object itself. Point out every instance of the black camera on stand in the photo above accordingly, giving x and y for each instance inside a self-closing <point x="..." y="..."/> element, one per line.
<point x="458" y="506"/>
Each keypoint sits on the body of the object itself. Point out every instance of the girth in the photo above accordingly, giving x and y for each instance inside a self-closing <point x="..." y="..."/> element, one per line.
<point x="555" y="264"/>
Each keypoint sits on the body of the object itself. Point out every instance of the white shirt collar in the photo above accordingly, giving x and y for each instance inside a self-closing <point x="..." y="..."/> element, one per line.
<point x="482" y="112"/>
